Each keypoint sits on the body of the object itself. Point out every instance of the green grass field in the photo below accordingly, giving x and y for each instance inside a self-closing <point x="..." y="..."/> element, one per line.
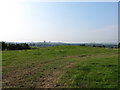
<point x="61" y="67"/>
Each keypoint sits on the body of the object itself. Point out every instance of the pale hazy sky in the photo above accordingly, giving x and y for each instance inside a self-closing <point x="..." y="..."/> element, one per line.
<point x="59" y="21"/>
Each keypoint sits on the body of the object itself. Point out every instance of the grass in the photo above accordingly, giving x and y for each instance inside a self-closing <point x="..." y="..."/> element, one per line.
<point x="61" y="67"/>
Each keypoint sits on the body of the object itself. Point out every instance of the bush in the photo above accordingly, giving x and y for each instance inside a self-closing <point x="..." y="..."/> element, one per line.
<point x="13" y="46"/>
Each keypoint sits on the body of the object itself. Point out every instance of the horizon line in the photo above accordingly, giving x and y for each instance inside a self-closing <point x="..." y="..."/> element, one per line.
<point x="54" y="42"/>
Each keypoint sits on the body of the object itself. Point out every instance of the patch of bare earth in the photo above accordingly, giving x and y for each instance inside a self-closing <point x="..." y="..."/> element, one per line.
<point x="51" y="80"/>
<point x="14" y="78"/>
<point x="76" y="56"/>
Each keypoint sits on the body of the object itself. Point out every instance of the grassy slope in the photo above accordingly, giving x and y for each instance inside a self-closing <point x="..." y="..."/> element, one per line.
<point x="61" y="66"/>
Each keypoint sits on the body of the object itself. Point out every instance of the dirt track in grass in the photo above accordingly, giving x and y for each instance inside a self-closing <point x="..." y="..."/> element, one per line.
<point x="44" y="68"/>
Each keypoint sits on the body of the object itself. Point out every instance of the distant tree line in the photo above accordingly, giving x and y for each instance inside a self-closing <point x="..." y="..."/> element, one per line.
<point x="14" y="46"/>
<point x="93" y="45"/>
<point x="82" y="44"/>
<point x="103" y="46"/>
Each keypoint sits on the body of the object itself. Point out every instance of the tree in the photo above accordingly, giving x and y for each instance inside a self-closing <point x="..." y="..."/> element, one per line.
<point x="100" y="46"/>
<point x="26" y="46"/>
<point x="4" y="45"/>
<point x="83" y="45"/>
<point x="103" y="46"/>
<point x="94" y="45"/>
<point x="13" y="46"/>
<point x="119" y="45"/>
